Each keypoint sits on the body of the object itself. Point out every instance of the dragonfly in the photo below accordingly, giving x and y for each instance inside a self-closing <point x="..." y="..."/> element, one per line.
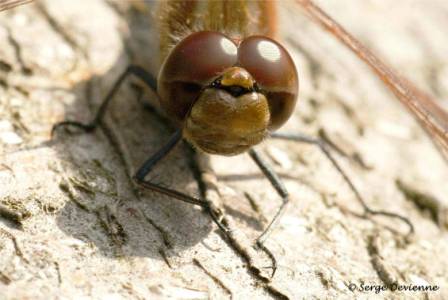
<point x="245" y="90"/>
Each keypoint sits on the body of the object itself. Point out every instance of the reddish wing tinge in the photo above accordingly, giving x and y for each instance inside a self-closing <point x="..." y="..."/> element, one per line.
<point x="8" y="4"/>
<point x="425" y="108"/>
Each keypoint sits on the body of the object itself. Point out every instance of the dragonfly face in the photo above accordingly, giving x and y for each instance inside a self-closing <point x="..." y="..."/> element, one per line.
<point x="227" y="94"/>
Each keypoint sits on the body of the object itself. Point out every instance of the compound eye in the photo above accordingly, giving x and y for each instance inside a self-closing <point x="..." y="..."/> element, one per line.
<point x="192" y="64"/>
<point x="200" y="57"/>
<point x="273" y="69"/>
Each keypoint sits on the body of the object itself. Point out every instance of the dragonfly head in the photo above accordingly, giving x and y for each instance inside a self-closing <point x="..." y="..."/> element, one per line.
<point x="227" y="94"/>
<point x="229" y="116"/>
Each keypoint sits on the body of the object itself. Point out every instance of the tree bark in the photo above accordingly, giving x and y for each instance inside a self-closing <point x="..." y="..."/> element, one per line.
<point x="73" y="223"/>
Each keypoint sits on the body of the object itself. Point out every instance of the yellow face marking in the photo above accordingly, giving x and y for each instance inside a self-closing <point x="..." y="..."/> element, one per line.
<point x="237" y="76"/>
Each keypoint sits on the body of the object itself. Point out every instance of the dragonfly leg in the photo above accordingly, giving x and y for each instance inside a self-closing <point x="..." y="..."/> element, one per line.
<point x="148" y="166"/>
<point x="137" y="71"/>
<point x="279" y="187"/>
<point x="140" y="175"/>
<point x="212" y="211"/>
<point x="325" y="148"/>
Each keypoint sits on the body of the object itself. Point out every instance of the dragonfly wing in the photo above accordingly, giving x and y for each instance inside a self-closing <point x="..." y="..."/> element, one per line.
<point x="8" y="4"/>
<point x="432" y="117"/>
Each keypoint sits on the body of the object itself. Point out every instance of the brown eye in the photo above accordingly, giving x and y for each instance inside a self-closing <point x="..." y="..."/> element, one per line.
<point x="274" y="71"/>
<point x="193" y="63"/>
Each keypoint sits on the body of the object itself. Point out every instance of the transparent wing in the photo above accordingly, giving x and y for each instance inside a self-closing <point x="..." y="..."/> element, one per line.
<point x="432" y="117"/>
<point x="8" y="4"/>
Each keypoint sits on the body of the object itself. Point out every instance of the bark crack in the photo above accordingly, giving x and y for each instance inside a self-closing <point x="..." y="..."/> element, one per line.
<point x="112" y="227"/>
<point x="165" y="257"/>
<point x="13" y="215"/>
<point x="5" y="278"/>
<point x="215" y="278"/>
<point x="425" y="202"/>
<point x="62" y="32"/>
<point x="15" y="243"/>
<point x="107" y="220"/>
<point x="378" y="263"/>
<point x="163" y="233"/>
<point x="18" y="53"/>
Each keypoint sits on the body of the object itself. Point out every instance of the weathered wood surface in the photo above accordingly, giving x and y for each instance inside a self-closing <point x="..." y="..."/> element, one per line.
<point x="85" y="230"/>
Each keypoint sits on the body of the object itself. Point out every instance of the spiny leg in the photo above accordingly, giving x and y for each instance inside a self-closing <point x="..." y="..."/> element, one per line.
<point x="324" y="147"/>
<point x="150" y="163"/>
<point x="279" y="187"/>
<point x="139" y="72"/>
<point x="281" y="190"/>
